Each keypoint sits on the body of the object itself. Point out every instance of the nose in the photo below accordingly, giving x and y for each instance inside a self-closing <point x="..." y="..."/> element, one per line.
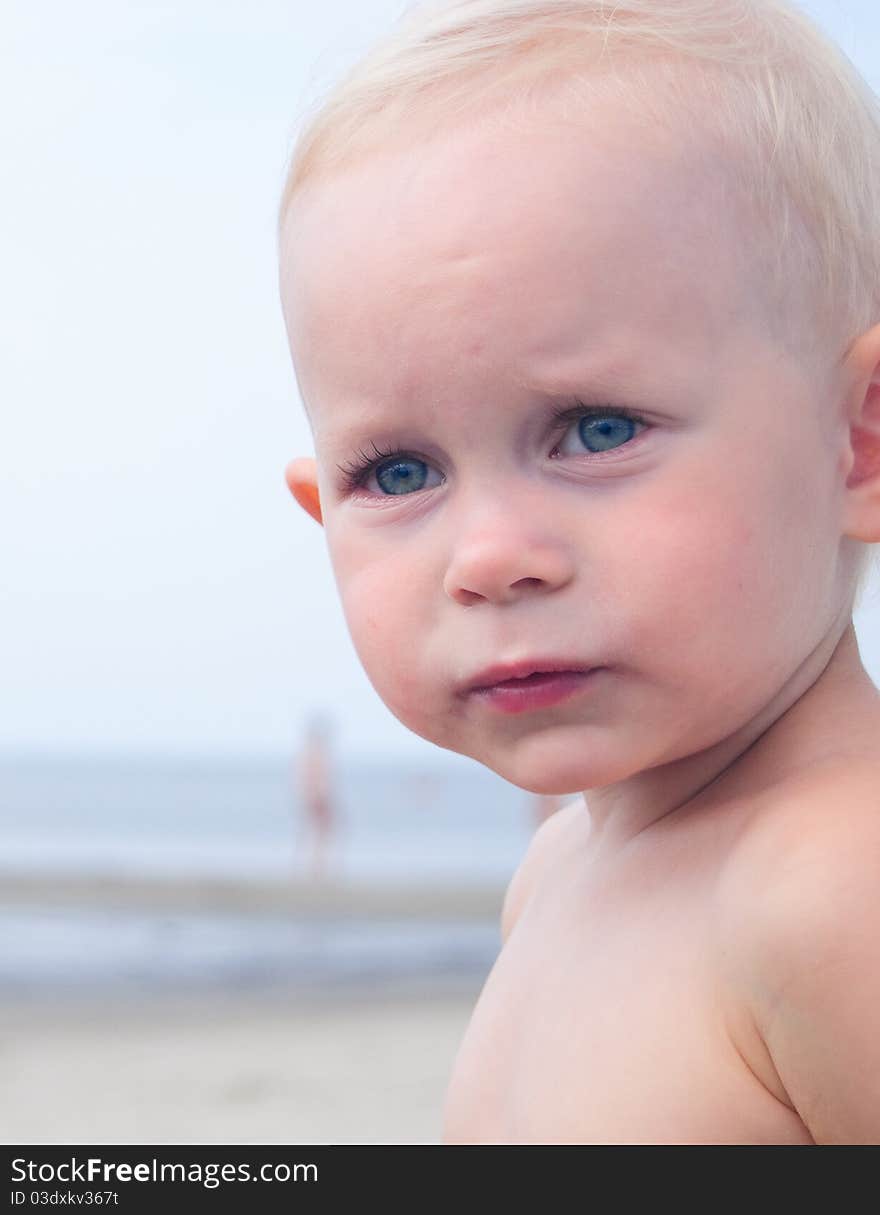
<point x="500" y="558"/>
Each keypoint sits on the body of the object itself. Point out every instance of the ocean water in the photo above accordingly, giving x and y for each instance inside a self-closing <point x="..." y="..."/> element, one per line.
<point x="240" y="820"/>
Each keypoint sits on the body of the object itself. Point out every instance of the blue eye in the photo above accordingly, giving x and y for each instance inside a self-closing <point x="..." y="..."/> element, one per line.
<point x="599" y="429"/>
<point x="397" y="472"/>
<point x="402" y="476"/>
<point x="604" y="432"/>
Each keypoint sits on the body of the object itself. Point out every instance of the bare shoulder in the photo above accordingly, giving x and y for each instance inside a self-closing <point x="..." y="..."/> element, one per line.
<point x="809" y="837"/>
<point x="802" y="901"/>
<point x="543" y="846"/>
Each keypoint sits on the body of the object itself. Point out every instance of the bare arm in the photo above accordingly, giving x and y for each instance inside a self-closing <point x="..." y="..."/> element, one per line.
<point x="815" y="994"/>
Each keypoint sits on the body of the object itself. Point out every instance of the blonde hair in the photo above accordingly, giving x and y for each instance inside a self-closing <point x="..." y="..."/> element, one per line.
<point x="799" y="123"/>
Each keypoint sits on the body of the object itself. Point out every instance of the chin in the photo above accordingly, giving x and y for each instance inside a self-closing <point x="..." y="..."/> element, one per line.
<point x="562" y="769"/>
<point x="561" y="780"/>
<point x="561" y="785"/>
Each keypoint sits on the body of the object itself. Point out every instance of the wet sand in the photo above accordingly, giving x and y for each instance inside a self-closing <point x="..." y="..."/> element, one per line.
<point x="300" y="897"/>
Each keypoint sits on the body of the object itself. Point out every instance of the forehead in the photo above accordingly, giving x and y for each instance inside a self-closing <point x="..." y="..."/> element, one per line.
<point x="537" y="240"/>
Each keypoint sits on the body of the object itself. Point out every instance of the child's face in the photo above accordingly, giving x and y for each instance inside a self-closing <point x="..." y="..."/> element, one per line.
<point x="446" y="302"/>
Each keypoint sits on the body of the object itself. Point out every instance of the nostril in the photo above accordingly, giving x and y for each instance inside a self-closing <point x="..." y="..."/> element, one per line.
<point x="467" y="598"/>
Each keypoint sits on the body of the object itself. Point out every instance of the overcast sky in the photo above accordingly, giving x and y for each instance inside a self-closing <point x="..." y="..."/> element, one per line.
<point x="159" y="591"/>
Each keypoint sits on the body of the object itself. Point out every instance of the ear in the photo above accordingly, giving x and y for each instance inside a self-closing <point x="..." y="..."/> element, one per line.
<point x="862" y="510"/>
<point x="301" y="476"/>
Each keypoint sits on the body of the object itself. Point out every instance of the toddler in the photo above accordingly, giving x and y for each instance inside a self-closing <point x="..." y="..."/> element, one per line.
<point x="583" y="304"/>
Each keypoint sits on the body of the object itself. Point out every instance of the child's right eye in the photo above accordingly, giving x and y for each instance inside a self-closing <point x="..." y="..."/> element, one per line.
<point x="396" y="472"/>
<point x="401" y="475"/>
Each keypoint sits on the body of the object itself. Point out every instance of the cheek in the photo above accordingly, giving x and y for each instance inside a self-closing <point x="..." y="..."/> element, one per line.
<point x="381" y="607"/>
<point x="705" y="572"/>
<point x="729" y="578"/>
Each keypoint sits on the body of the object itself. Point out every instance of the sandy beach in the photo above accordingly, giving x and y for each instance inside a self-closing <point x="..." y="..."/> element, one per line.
<point x="215" y="1068"/>
<point x="224" y="1060"/>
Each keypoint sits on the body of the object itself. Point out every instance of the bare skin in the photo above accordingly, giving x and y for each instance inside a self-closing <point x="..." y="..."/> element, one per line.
<point x="653" y="986"/>
<point x="639" y="1024"/>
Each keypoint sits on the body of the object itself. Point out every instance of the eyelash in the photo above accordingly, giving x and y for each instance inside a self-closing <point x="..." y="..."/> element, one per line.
<point x="355" y="473"/>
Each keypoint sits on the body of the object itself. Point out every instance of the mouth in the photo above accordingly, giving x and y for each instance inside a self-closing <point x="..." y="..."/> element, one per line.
<point x="531" y="685"/>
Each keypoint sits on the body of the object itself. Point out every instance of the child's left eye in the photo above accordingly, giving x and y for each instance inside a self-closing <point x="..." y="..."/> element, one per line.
<point x="600" y="430"/>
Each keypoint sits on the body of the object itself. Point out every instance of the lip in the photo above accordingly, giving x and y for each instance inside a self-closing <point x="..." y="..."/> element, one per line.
<point x="501" y="673"/>
<point x="541" y="690"/>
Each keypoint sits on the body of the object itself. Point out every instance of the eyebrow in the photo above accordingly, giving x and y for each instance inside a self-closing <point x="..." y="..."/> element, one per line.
<point x="613" y="376"/>
<point x="588" y="384"/>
